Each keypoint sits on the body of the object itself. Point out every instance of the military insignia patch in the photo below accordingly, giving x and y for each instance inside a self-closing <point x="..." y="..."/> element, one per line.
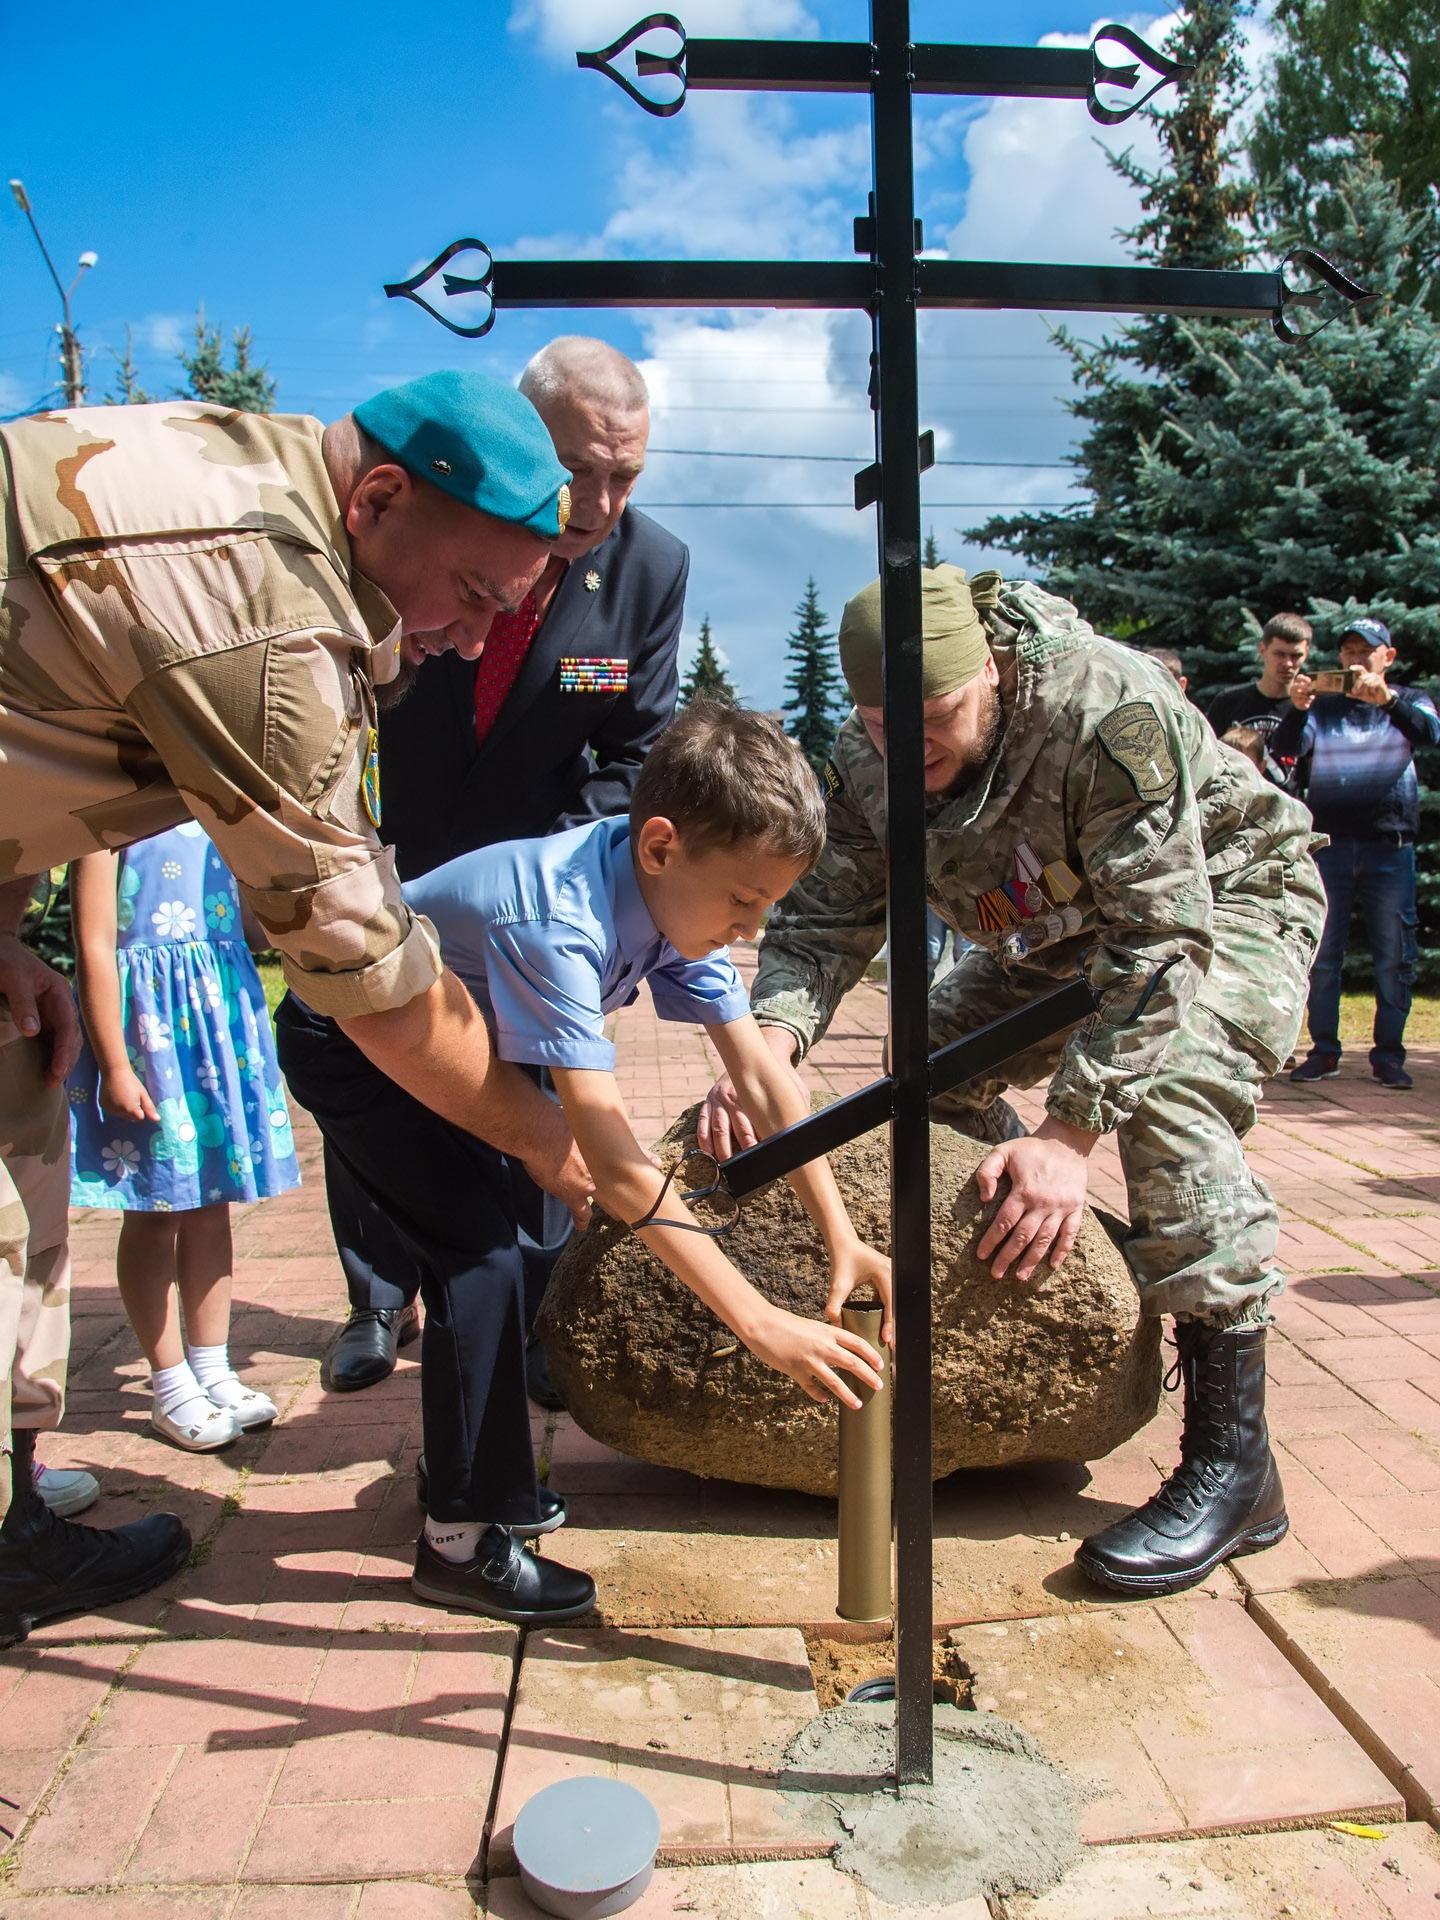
<point x="370" y="778"/>
<point x="1135" y="740"/>
<point x="830" y="780"/>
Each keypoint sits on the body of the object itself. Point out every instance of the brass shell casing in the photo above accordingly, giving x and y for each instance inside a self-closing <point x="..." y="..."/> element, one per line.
<point x="865" y="1473"/>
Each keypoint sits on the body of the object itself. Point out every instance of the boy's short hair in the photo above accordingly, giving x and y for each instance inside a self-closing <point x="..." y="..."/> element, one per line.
<point x="1247" y="741"/>
<point x="724" y="775"/>
<point x="1168" y="658"/>
<point x="1293" y="627"/>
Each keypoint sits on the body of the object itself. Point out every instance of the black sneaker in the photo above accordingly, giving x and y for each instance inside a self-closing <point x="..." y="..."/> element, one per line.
<point x="1317" y="1066"/>
<point x="504" y="1581"/>
<point x="553" y="1511"/>
<point x="1392" y="1075"/>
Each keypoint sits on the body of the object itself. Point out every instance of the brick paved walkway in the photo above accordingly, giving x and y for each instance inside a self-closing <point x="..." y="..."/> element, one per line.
<point x="284" y="1730"/>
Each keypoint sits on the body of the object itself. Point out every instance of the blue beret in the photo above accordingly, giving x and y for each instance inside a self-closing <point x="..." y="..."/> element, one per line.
<point x="477" y="440"/>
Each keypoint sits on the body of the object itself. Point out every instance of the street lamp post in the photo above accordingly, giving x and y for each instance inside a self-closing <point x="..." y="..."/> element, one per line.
<point x="72" y="358"/>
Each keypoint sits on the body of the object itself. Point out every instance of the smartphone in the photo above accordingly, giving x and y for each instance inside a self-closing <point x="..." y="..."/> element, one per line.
<point x="1337" y="679"/>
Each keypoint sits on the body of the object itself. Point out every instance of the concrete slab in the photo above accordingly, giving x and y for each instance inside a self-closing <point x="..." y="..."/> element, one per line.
<point x="776" y="1890"/>
<point x="1371" y="1650"/>
<point x="694" y="1718"/>
<point x="1311" y="1875"/>
<point x="1184" y="1715"/>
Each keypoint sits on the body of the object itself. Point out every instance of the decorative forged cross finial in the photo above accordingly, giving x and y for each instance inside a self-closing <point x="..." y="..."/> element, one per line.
<point x="646" y="64"/>
<point x="452" y="286"/>
<point x="1292" y="298"/>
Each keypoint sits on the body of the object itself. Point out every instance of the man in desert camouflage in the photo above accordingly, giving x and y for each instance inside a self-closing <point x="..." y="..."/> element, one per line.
<point x="1083" y="817"/>
<point x="197" y="610"/>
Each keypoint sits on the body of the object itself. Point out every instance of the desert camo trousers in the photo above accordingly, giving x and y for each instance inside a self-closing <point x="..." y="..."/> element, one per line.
<point x="34" y="1249"/>
<point x="1203" y="1228"/>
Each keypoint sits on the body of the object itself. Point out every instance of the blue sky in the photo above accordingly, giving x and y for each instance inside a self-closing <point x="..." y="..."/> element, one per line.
<point x="280" y="172"/>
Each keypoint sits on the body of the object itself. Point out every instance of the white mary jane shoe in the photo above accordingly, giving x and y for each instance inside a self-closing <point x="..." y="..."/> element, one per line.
<point x="249" y="1406"/>
<point x="205" y="1434"/>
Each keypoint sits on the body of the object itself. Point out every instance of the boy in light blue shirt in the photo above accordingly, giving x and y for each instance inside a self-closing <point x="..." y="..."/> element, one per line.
<point x="551" y="936"/>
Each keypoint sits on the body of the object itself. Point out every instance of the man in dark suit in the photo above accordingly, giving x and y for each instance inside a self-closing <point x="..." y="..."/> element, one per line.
<point x="546" y="730"/>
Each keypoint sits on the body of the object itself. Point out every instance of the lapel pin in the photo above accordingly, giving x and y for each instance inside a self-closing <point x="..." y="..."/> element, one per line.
<point x="592" y="581"/>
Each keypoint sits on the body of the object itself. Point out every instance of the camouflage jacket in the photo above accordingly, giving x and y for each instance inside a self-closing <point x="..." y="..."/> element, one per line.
<point x="1186" y="860"/>
<point x="182" y="632"/>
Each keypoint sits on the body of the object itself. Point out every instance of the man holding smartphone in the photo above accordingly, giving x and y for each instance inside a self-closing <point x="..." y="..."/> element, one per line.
<point x="1353" y="744"/>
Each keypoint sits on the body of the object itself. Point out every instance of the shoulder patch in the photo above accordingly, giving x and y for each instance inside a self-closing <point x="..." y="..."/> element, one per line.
<point x="1134" y="738"/>
<point x="830" y="780"/>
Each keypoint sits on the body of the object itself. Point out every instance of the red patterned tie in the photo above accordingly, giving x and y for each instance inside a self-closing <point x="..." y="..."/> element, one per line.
<point x="506" y="646"/>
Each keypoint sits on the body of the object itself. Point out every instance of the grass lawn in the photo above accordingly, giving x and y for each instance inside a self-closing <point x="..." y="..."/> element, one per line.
<point x="1356" y="1017"/>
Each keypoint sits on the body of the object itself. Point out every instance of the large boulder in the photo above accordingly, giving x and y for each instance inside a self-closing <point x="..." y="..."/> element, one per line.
<point x="1062" y="1368"/>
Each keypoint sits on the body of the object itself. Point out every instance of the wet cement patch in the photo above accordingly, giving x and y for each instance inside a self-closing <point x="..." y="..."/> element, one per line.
<point x="999" y="1817"/>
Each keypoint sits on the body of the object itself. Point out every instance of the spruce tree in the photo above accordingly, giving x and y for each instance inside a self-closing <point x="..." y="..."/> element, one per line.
<point x="244" y="385"/>
<point x="1351" y="74"/>
<point x="932" y="552"/>
<point x="707" y="679"/>
<point x="1193" y="206"/>
<point x="817" y="700"/>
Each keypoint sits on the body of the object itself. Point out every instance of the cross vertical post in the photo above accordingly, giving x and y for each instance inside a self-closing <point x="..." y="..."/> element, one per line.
<point x="895" y="389"/>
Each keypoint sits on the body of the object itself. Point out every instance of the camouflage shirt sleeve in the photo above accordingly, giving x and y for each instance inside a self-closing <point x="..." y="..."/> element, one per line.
<point x="826" y="931"/>
<point x="1140" y="840"/>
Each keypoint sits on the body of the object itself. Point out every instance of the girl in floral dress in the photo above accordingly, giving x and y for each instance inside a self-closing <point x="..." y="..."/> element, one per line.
<point x="179" y="1111"/>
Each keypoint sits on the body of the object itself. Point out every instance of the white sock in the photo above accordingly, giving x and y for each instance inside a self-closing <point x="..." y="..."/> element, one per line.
<point x="210" y="1364"/>
<point x="179" y="1394"/>
<point x="454" y="1539"/>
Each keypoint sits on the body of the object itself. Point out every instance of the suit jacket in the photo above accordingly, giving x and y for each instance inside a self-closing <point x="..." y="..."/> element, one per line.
<point x="552" y="759"/>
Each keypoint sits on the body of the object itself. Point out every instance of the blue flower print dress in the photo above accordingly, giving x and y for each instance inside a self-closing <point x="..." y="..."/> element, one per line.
<point x="199" y="1037"/>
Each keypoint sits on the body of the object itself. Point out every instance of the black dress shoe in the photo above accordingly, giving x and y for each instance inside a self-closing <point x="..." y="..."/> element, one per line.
<point x="553" y="1511"/>
<point x="51" y="1567"/>
<point x="365" y="1352"/>
<point x="504" y="1580"/>
<point x="538" y="1384"/>
<point x="1225" y="1497"/>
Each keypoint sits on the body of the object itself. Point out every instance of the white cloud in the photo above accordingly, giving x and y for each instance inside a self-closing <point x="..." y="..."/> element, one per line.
<point x="165" y="332"/>
<point x="564" y="27"/>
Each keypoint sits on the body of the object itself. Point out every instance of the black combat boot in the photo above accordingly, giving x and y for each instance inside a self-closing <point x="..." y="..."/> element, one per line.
<point x="51" y="1567"/>
<point x="1225" y="1497"/>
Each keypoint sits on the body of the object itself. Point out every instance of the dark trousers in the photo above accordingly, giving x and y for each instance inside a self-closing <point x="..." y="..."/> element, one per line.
<point x="430" y="1195"/>
<point x="380" y="1273"/>
<point x="1380" y="880"/>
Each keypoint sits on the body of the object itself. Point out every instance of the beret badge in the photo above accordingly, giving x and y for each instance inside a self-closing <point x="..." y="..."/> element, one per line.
<point x="562" y="507"/>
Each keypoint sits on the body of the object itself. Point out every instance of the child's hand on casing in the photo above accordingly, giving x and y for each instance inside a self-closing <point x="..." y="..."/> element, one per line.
<point x="123" y="1092"/>
<point x="816" y="1356"/>
<point x="859" y="1265"/>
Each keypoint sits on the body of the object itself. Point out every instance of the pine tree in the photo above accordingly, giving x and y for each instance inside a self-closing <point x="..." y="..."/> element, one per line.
<point x="131" y="393"/>
<point x="932" y="552"/>
<point x="707" y="679"/>
<point x="1352" y="75"/>
<point x="1193" y="211"/>
<point x="243" y="385"/>
<point x="817" y="692"/>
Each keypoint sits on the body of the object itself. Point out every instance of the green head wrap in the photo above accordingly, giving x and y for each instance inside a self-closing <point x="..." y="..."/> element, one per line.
<point x="956" y="644"/>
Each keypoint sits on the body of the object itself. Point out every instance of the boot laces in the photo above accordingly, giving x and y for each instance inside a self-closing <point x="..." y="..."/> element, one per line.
<point x="1205" y="1437"/>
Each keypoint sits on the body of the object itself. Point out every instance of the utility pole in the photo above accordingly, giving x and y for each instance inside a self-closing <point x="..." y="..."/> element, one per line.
<point x="72" y="357"/>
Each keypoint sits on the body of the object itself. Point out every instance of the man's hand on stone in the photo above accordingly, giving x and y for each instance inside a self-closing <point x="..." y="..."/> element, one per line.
<point x="1040" y="1216"/>
<point x="40" y="1001"/>
<point x="723" y="1127"/>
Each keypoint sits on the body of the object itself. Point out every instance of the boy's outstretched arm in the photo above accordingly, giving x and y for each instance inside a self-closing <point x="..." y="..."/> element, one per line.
<point x="774" y="1096"/>
<point x="815" y="1355"/>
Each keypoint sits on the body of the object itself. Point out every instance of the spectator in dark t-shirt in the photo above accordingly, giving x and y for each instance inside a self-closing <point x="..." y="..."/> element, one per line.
<point x="1263" y="704"/>
<point x="1354" y="756"/>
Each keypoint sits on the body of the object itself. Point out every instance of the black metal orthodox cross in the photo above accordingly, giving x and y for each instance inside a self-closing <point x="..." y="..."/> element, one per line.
<point x="891" y="283"/>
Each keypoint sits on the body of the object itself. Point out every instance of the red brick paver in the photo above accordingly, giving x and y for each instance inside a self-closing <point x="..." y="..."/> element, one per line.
<point x="284" y="1729"/>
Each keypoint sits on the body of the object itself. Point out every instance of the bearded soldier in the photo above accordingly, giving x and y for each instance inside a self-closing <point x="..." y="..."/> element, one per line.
<point x="1083" y="816"/>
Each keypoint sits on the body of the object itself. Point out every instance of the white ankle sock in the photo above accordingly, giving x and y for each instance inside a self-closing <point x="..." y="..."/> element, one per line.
<point x="210" y="1364"/>
<point x="454" y="1539"/>
<point x="179" y="1394"/>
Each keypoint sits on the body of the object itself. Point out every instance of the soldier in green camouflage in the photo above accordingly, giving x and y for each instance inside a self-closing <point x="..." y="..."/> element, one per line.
<point x="198" y="608"/>
<point x="1083" y="816"/>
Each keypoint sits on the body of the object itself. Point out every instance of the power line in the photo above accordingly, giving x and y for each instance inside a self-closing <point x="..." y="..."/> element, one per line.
<point x="847" y="506"/>
<point x="847" y="459"/>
